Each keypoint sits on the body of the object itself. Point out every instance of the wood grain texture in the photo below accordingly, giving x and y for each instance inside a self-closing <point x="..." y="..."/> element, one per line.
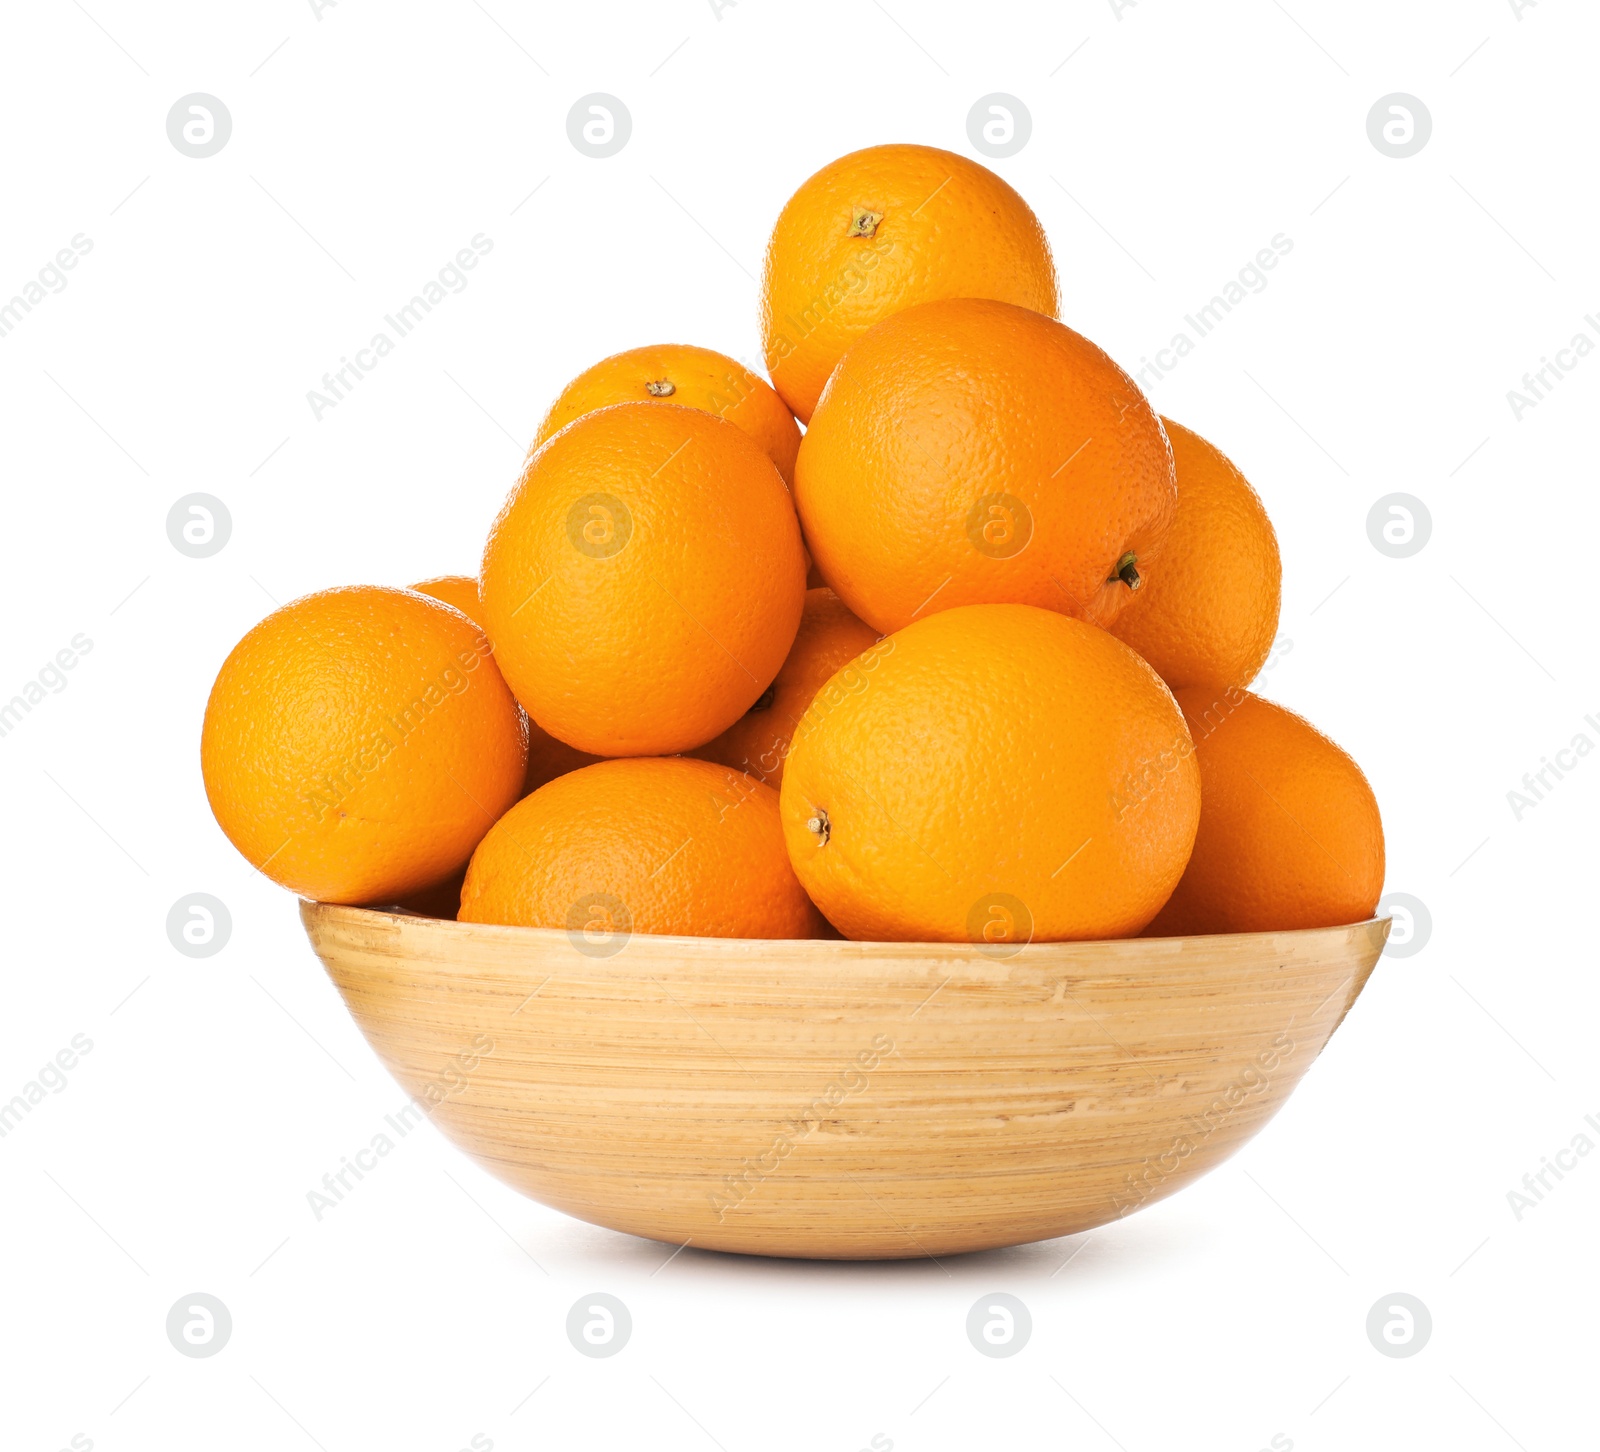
<point x="836" y="1099"/>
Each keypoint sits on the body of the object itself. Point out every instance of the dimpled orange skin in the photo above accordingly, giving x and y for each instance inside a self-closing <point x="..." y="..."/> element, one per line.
<point x="358" y="743"/>
<point x="1207" y="616"/>
<point x="973" y="452"/>
<point x="982" y="752"/>
<point x="945" y="227"/>
<point x="644" y="581"/>
<point x="1290" y="835"/>
<point x="547" y="757"/>
<point x="684" y="847"/>
<point x="692" y="378"/>
<point x="829" y="637"/>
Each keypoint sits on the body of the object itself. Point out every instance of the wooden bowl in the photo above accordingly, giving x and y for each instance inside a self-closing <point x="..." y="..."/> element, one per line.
<point x="841" y="1100"/>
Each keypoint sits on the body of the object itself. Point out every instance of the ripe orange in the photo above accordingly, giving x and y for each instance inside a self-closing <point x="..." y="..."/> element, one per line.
<point x="961" y="782"/>
<point x="547" y="757"/>
<point x="973" y="452"/>
<point x="1208" y="615"/>
<point x="645" y="846"/>
<point x="358" y="743"/>
<point x="1290" y="835"/>
<point x="829" y="637"/>
<point x="644" y="581"/>
<point x="458" y="591"/>
<point x="881" y="230"/>
<point x="692" y="377"/>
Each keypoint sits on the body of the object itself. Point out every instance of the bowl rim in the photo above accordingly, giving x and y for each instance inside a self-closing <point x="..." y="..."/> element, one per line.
<point x="676" y="945"/>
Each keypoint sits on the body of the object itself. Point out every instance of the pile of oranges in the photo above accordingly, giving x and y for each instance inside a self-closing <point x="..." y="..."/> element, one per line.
<point x="967" y="661"/>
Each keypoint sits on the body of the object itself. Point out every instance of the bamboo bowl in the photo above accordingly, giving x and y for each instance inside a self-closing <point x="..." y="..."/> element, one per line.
<point x="842" y="1100"/>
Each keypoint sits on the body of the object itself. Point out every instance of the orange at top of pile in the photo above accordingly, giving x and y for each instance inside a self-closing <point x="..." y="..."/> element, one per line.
<point x="637" y="717"/>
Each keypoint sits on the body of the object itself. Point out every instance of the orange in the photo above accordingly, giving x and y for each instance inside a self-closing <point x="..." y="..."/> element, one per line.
<point x="1290" y="835"/>
<point x="547" y="757"/>
<point x="642" y="846"/>
<point x="962" y="782"/>
<point x="830" y="636"/>
<point x="644" y="581"/>
<point x="459" y="591"/>
<point x="358" y="742"/>
<point x="881" y="230"/>
<point x="1208" y="615"/>
<point x="692" y="377"/>
<point x="974" y="452"/>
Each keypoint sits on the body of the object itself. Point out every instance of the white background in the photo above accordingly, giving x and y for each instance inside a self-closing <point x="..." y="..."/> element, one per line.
<point x="369" y="144"/>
